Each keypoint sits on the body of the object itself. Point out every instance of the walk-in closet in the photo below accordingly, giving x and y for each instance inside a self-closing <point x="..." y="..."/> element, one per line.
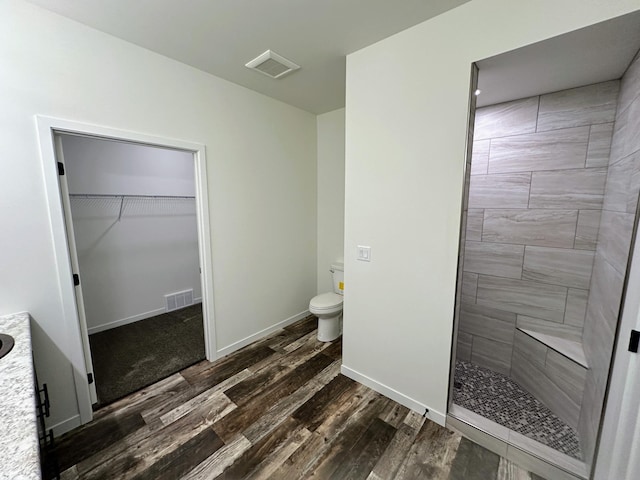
<point x="134" y="229"/>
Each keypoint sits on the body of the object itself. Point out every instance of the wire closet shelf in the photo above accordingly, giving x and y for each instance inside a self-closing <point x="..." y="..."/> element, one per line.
<point x="125" y="197"/>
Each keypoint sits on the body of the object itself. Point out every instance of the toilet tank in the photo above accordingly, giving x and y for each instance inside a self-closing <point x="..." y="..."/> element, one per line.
<point x="337" y="272"/>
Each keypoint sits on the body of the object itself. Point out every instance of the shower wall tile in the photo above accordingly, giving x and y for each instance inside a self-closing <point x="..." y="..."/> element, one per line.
<point x="480" y="157"/>
<point x="559" y="266"/>
<point x="553" y="150"/>
<point x="488" y="323"/>
<point x="590" y="413"/>
<point x="553" y="378"/>
<point x="616" y="225"/>
<point x="618" y="181"/>
<point x="630" y="85"/>
<point x="505" y="119"/>
<point x="567" y="374"/>
<point x="469" y="287"/>
<point x="626" y="133"/>
<point x="523" y="297"/>
<point x="598" y="338"/>
<point x="587" y="230"/>
<point x="492" y="354"/>
<point x="599" y="145"/>
<point x="534" y="351"/>
<point x="560" y="330"/>
<point x="602" y="315"/>
<point x="534" y="379"/>
<point x="463" y="348"/>
<point x="546" y="228"/>
<point x="576" y="308"/>
<point x="500" y="260"/>
<point x="580" y="189"/>
<point x="623" y="184"/>
<point x="632" y="201"/>
<point x="496" y="191"/>
<point x="475" y="218"/>
<point x="578" y="106"/>
<point x="614" y="240"/>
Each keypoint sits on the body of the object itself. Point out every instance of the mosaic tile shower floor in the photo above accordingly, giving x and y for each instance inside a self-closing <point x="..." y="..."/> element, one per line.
<point x="500" y="399"/>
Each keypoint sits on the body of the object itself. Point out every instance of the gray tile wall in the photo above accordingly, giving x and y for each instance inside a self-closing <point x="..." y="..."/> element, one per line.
<point x="552" y="150"/>
<point x="537" y="188"/>
<point x="614" y="241"/>
<point x="554" y="379"/>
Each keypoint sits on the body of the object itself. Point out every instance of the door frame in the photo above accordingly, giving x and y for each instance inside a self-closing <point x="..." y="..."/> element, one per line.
<point x="75" y="267"/>
<point x="466" y="175"/>
<point x="47" y="128"/>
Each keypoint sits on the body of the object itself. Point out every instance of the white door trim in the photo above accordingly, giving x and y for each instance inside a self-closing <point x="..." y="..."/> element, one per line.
<point x="47" y="127"/>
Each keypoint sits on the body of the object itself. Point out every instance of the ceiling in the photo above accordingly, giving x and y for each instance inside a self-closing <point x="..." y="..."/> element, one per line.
<point x="220" y="36"/>
<point x="593" y="54"/>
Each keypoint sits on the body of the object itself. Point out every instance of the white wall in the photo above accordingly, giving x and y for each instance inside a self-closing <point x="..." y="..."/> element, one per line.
<point x="261" y="157"/>
<point x="330" y="195"/>
<point x="406" y="122"/>
<point x="129" y="262"/>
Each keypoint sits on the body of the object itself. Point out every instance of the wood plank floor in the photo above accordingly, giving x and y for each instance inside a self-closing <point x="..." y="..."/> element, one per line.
<point x="278" y="409"/>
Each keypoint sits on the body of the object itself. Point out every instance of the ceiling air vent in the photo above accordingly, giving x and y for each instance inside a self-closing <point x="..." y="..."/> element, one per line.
<point x="272" y="65"/>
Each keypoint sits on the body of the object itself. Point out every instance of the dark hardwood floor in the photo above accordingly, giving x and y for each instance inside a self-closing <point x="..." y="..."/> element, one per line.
<point x="279" y="409"/>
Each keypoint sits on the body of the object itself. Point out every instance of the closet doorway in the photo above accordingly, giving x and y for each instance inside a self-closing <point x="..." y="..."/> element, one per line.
<point x="134" y="217"/>
<point x="133" y="213"/>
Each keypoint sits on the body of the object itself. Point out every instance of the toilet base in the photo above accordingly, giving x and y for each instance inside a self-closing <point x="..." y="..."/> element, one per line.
<point x="329" y="328"/>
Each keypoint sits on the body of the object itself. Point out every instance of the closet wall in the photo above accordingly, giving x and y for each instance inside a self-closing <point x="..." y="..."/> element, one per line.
<point x="130" y="260"/>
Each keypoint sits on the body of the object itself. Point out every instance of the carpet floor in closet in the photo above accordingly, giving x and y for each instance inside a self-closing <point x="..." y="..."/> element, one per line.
<point x="133" y="356"/>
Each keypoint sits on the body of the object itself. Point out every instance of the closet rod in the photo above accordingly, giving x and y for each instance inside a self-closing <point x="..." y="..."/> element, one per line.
<point x="116" y="195"/>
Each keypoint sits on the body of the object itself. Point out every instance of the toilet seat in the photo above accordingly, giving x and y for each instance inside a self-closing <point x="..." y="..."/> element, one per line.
<point x="326" y="302"/>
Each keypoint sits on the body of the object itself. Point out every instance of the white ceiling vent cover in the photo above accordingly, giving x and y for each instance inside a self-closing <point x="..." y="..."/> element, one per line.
<point x="272" y="65"/>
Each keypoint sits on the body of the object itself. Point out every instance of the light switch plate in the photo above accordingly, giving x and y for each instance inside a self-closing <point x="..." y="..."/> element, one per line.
<point x="364" y="253"/>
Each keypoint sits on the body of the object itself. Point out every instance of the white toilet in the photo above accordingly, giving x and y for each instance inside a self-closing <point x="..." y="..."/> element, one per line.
<point x="328" y="307"/>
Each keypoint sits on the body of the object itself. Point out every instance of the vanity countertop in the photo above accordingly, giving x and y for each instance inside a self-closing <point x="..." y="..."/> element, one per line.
<point x="19" y="446"/>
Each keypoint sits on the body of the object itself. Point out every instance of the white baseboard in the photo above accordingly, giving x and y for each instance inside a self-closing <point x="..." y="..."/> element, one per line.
<point x="402" y="399"/>
<point x="135" y="318"/>
<point x="65" y="426"/>
<point x="126" y="321"/>
<point x="261" y="334"/>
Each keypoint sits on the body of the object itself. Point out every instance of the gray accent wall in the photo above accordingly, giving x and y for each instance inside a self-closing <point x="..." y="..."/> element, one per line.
<point x="536" y="194"/>
<point x="612" y="254"/>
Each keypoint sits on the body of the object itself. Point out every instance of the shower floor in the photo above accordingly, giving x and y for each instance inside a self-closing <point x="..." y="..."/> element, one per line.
<point x="501" y="400"/>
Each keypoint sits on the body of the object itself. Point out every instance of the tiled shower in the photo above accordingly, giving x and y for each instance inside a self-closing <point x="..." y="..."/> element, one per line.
<point x="550" y="213"/>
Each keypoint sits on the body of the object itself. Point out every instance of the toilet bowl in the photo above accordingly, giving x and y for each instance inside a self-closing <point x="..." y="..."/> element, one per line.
<point x="328" y="307"/>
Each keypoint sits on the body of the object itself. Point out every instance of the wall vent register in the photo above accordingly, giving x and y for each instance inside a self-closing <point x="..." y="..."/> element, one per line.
<point x="177" y="300"/>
